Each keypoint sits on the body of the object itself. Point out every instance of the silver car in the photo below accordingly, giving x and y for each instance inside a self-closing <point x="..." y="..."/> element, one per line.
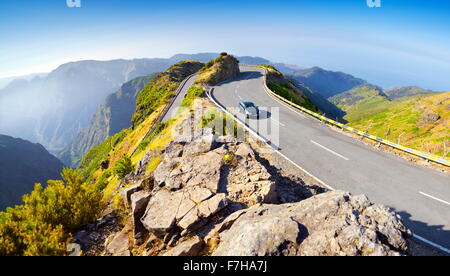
<point x="249" y="109"/>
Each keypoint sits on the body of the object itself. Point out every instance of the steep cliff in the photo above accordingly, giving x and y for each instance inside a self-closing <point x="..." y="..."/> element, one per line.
<point x="110" y="118"/>
<point x="22" y="164"/>
<point x="200" y="191"/>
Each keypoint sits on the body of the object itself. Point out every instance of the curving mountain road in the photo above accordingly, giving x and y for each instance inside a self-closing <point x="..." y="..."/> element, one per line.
<point x="180" y="97"/>
<point x="420" y="195"/>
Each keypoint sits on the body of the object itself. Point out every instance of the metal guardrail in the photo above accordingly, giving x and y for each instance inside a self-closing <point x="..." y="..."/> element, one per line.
<point x="426" y="156"/>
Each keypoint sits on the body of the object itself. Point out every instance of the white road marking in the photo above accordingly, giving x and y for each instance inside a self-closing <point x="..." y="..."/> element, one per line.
<point x="435" y="198"/>
<point x="431" y="243"/>
<point x="331" y="151"/>
<point x="280" y="123"/>
<point x="240" y="98"/>
<point x="437" y="246"/>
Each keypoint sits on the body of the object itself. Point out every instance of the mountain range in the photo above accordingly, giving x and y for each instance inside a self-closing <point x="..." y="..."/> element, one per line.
<point x="22" y="164"/>
<point x="326" y="83"/>
<point x="110" y="118"/>
<point x="74" y="107"/>
<point x="53" y="109"/>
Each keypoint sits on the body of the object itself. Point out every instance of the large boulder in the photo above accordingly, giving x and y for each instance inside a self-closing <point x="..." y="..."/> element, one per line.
<point x="176" y="173"/>
<point x="139" y="202"/>
<point x="188" y="209"/>
<point x="161" y="211"/>
<point x="119" y="245"/>
<point x="333" y="223"/>
<point x="191" y="247"/>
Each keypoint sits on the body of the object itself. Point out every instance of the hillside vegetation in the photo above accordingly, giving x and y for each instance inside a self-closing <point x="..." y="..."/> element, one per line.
<point x="420" y="122"/>
<point x="358" y="98"/>
<point x="42" y="226"/>
<point x="218" y="70"/>
<point x="326" y="83"/>
<point x="405" y="91"/>
<point x="160" y="90"/>
<point x="278" y="84"/>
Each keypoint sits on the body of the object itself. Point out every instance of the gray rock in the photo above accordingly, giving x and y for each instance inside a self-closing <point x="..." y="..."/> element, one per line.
<point x="119" y="245"/>
<point x="258" y="237"/>
<point x="245" y="151"/>
<point x="74" y="249"/>
<point x="333" y="223"/>
<point x="128" y="191"/>
<point x="191" y="248"/>
<point x="203" y="211"/>
<point x="139" y="202"/>
<point x="160" y="215"/>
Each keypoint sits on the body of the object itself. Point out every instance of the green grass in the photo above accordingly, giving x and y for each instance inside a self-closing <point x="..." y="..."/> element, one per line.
<point x="288" y="93"/>
<point x="161" y="89"/>
<point x="93" y="159"/>
<point x="193" y="93"/>
<point x="404" y="118"/>
<point x="159" y="128"/>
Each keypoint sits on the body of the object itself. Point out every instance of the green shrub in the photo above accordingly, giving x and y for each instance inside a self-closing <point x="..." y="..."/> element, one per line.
<point x="161" y="89"/>
<point x="102" y="181"/>
<point x="42" y="225"/>
<point x="123" y="167"/>
<point x="286" y="92"/>
<point x="229" y="159"/>
<point x="193" y="92"/>
<point x="92" y="161"/>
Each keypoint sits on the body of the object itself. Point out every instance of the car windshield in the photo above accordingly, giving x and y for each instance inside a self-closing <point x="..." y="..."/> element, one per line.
<point x="247" y="105"/>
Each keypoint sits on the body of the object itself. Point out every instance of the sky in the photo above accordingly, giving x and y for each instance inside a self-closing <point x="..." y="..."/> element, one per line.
<point x="404" y="42"/>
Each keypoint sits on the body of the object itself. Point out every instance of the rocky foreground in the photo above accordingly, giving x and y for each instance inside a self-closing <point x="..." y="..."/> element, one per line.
<point x="214" y="196"/>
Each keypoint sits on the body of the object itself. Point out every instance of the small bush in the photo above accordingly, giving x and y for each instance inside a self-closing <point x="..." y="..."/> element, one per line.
<point x="102" y="181"/>
<point x="192" y="93"/>
<point x="229" y="159"/>
<point x="123" y="167"/>
<point x="42" y="225"/>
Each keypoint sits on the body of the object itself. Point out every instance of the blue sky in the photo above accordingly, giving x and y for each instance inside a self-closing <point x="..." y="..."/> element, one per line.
<point x="405" y="42"/>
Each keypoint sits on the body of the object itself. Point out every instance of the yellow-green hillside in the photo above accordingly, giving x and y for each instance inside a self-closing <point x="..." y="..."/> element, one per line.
<point x="420" y="122"/>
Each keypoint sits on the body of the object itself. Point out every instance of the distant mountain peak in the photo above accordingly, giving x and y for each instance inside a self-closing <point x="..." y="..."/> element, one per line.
<point x="326" y="83"/>
<point x="405" y="91"/>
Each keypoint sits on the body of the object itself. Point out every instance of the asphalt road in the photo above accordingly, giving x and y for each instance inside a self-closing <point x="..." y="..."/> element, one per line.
<point x="420" y="195"/>
<point x="176" y="104"/>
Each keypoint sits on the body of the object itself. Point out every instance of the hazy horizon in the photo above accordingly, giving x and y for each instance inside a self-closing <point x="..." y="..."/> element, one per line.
<point x="402" y="43"/>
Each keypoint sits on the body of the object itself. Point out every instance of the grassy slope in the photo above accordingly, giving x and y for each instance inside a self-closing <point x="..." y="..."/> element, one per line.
<point x="159" y="91"/>
<point x="149" y="105"/>
<point x="284" y="88"/>
<point x="217" y="70"/>
<point x="404" y="117"/>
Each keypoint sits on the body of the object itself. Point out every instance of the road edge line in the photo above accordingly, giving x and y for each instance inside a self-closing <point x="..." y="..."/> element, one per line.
<point x="430" y="243"/>
<point x="422" y="239"/>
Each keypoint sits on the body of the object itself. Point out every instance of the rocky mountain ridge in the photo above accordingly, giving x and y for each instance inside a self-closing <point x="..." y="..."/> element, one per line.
<point x="215" y="195"/>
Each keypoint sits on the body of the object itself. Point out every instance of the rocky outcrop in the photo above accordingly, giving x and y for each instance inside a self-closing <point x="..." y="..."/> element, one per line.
<point x="222" y="68"/>
<point x="334" y="223"/>
<point x="214" y="195"/>
<point x="430" y="117"/>
<point x="188" y="248"/>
